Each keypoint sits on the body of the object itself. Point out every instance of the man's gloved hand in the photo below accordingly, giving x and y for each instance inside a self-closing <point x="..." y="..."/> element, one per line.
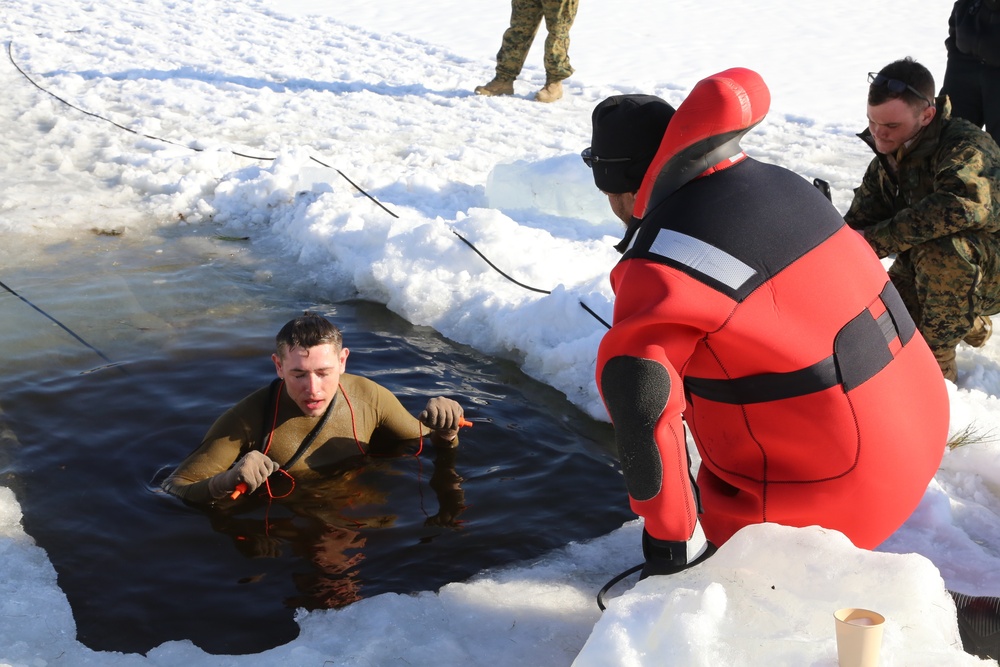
<point x="442" y="415"/>
<point x="252" y="470"/>
<point x="666" y="557"/>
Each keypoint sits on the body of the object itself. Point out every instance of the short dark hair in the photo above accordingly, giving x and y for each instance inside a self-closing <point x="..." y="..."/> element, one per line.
<point x="911" y="73"/>
<point x="306" y="331"/>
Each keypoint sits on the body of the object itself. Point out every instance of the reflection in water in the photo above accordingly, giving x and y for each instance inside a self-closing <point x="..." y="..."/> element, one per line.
<point x="319" y="519"/>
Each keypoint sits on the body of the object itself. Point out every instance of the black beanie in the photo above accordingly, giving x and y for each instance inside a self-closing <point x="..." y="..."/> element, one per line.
<point x="629" y="126"/>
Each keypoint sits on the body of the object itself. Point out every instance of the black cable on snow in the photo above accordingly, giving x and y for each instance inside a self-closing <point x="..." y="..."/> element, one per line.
<point x="520" y="284"/>
<point x="10" y="56"/>
<point x="494" y="266"/>
<point x="615" y="580"/>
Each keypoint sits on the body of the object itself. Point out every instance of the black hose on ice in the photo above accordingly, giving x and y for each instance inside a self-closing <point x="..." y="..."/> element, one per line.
<point x="10" y="56"/>
<point x="601" y="593"/>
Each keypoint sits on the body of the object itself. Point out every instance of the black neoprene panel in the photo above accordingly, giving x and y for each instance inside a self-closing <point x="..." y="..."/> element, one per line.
<point x="635" y="393"/>
<point x="763" y="215"/>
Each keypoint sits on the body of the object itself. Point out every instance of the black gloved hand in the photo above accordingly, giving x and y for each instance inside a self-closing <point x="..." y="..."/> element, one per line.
<point x="442" y="414"/>
<point x="666" y="557"/>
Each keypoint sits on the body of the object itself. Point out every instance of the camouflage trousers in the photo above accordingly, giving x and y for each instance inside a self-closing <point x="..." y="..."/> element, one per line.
<point x="525" y="17"/>
<point x="945" y="283"/>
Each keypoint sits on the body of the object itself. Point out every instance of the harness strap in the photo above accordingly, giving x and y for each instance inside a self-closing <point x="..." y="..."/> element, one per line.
<point x="862" y="348"/>
<point x="270" y="416"/>
<point x="271" y="424"/>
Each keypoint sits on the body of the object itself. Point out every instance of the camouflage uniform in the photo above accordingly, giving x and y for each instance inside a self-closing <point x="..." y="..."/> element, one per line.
<point x="936" y="205"/>
<point x="525" y="17"/>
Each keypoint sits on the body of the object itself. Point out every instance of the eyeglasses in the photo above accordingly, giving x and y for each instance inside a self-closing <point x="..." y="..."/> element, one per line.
<point x="896" y="86"/>
<point x="589" y="158"/>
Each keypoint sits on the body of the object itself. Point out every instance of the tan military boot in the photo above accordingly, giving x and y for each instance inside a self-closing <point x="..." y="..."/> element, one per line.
<point x="981" y="330"/>
<point x="550" y="93"/>
<point x="946" y="360"/>
<point x="496" y="87"/>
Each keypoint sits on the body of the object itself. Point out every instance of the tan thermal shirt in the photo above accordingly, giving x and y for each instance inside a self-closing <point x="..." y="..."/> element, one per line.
<point x="369" y="410"/>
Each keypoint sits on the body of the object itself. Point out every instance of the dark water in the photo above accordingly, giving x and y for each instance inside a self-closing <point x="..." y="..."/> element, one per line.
<point x="190" y="321"/>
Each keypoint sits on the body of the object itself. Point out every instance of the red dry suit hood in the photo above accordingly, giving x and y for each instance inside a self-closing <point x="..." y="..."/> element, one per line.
<point x="705" y="130"/>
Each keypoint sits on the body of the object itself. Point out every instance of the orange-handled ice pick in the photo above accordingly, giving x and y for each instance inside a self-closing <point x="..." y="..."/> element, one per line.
<point x="241" y="488"/>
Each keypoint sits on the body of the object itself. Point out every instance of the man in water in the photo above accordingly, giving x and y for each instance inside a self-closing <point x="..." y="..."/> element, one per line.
<point x="312" y="417"/>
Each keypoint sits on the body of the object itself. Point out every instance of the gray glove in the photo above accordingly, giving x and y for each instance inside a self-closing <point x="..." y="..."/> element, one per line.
<point x="442" y="414"/>
<point x="252" y="470"/>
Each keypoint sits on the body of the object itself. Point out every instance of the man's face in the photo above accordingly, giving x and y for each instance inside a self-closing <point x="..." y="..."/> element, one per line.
<point x="311" y="375"/>
<point x="622" y="205"/>
<point x="895" y="122"/>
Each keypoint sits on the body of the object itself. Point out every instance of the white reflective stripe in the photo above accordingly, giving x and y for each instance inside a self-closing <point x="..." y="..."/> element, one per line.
<point x="702" y="257"/>
<point x="697" y="544"/>
<point x="632" y="242"/>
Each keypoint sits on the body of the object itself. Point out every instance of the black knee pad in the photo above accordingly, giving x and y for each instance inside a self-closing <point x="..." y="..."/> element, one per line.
<point x="635" y="393"/>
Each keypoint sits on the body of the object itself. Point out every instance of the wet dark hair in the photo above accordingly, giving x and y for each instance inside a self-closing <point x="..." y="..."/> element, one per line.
<point x="911" y="73"/>
<point x="306" y="331"/>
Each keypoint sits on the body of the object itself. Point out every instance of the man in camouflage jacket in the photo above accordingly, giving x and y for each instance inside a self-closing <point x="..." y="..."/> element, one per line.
<point x="931" y="196"/>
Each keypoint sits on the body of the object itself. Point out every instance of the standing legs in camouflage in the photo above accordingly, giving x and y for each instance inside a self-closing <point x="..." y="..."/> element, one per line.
<point x="525" y="18"/>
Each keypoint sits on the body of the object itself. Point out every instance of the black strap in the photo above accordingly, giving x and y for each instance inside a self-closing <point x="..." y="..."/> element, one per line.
<point x="271" y="413"/>
<point x="861" y="350"/>
<point x="768" y="386"/>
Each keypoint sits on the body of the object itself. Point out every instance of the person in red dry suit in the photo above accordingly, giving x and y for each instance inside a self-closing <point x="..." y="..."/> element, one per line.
<point x="747" y="309"/>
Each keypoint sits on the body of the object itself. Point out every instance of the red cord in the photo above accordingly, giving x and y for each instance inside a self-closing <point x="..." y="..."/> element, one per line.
<point x="274" y="419"/>
<point x="267" y="447"/>
<point x="357" y="441"/>
<point x="242" y="487"/>
<point x="354" y="425"/>
<point x="420" y="440"/>
<point x="354" y="428"/>
<point x="420" y="447"/>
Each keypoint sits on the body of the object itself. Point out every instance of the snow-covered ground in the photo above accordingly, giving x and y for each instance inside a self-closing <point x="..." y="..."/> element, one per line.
<point x="380" y="93"/>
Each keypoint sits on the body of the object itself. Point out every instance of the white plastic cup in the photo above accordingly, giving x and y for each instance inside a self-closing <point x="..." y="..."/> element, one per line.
<point x="859" y="637"/>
